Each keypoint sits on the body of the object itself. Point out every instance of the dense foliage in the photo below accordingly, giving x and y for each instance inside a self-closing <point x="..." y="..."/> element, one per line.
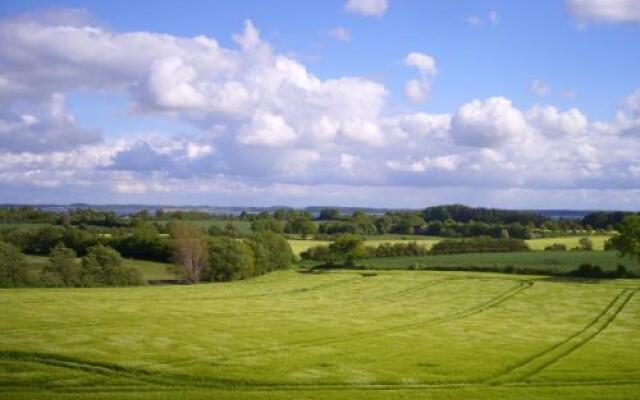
<point x="231" y="259"/>
<point x="627" y="241"/>
<point x="102" y="266"/>
<point x="478" y="245"/>
<point x="12" y="266"/>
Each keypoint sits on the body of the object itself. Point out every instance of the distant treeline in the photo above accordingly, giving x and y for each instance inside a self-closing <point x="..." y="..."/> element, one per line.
<point x="347" y="248"/>
<point x="452" y="221"/>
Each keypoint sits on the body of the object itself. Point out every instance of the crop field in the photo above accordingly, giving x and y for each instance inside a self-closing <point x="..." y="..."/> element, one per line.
<point x="569" y="241"/>
<point x="550" y="261"/>
<point x="332" y="335"/>
<point x="300" y="245"/>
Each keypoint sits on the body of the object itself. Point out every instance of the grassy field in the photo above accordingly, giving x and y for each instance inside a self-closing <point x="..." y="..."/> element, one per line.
<point x="336" y="335"/>
<point x="551" y="261"/>
<point x="569" y="241"/>
<point x="298" y="245"/>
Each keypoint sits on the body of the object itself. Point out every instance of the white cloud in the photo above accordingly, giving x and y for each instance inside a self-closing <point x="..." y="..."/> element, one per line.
<point x="423" y="62"/>
<point x="417" y="90"/>
<point x="488" y="123"/>
<point x="261" y="122"/>
<point x="368" y="8"/>
<point x="539" y="88"/>
<point x="551" y="122"/>
<point x="443" y="163"/>
<point x="604" y="11"/>
<point x="340" y="33"/>
<point x="474" y="20"/>
<point x="267" y="129"/>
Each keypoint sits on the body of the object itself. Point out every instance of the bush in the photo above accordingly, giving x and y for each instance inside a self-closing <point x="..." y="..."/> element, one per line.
<point x="481" y="244"/>
<point x="62" y="269"/>
<point x="229" y="259"/>
<point x="556" y="247"/>
<point x="102" y="266"/>
<point x="586" y="244"/>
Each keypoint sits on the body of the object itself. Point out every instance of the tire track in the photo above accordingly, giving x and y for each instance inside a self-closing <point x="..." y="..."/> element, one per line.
<point x="538" y="362"/>
<point x="159" y="381"/>
<point x="493" y="302"/>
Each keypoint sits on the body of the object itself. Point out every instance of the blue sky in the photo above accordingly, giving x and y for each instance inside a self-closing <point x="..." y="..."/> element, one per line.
<point x="503" y="81"/>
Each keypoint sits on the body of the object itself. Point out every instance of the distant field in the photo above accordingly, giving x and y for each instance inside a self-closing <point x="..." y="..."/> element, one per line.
<point x="552" y="261"/>
<point x="337" y="335"/>
<point x="298" y="246"/>
<point x="569" y="241"/>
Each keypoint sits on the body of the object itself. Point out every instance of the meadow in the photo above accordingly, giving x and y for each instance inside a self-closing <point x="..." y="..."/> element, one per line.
<point x="300" y="245"/>
<point x="342" y="334"/>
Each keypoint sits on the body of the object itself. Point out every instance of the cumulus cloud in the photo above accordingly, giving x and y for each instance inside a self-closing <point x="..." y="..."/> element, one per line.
<point x="551" y="122"/>
<point x="368" y="8"/>
<point x="604" y="11"/>
<point x="43" y="127"/>
<point x="417" y="90"/>
<point x="262" y="122"/>
<point x="488" y="123"/>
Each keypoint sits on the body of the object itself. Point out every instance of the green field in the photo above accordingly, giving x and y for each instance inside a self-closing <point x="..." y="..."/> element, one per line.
<point x="299" y="245"/>
<point x="344" y="335"/>
<point x="550" y="261"/>
<point x="569" y="241"/>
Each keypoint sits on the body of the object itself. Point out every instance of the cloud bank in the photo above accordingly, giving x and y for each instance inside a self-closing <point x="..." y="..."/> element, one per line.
<point x="269" y="130"/>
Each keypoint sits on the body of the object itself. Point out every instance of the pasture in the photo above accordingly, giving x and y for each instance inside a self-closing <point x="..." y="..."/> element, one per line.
<point x="300" y="245"/>
<point x="337" y="335"/>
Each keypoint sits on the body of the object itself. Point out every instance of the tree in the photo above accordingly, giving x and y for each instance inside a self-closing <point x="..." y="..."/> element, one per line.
<point x="103" y="266"/>
<point x="301" y="224"/>
<point x="327" y="214"/>
<point x="627" y="241"/>
<point x="229" y="259"/>
<point x="272" y="252"/>
<point x="62" y="269"/>
<point x="586" y="244"/>
<point x="267" y="224"/>
<point x="189" y="249"/>
<point x="348" y="248"/>
<point x="12" y="266"/>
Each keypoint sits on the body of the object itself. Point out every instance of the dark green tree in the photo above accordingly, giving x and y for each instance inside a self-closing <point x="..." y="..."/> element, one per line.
<point x="62" y="269"/>
<point x="13" y="266"/>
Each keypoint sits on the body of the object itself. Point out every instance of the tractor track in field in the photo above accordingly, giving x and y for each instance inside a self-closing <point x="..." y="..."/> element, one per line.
<point x="536" y="363"/>
<point x="149" y="381"/>
<point x="491" y="303"/>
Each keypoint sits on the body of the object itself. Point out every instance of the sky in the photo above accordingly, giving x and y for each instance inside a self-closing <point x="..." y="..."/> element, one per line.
<point x="382" y="103"/>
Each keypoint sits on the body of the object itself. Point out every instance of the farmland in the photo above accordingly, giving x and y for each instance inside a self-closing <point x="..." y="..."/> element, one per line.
<point x="331" y="335"/>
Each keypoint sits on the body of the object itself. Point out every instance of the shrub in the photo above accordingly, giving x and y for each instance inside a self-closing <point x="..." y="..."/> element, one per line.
<point x="229" y="259"/>
<point x="586" y="244"/>
<point x="62" y="269"/>
<point x="102" y="266"/>
<point x="481" y="244"/>
<point x="556" y="247"/>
